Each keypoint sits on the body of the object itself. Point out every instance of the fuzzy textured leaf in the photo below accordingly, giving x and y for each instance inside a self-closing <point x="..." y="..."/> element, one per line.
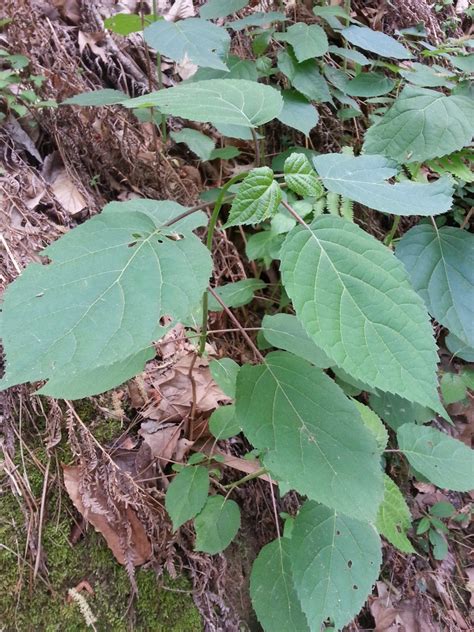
<point x="444" y="461"/>
<point x="440" y="262"/>
<point x="362" y="179"/>
<point x="314" y="438"/>
<point x="394" y="518"/>
<point x="375" y="42"/>
<point x="257" y="199"/>
<point x="355" y="301"/>
<point x="187" y="494"/>
<point x="216" y="525"/>
<point x="335" y="561"/>
<point x="301" y="177"/>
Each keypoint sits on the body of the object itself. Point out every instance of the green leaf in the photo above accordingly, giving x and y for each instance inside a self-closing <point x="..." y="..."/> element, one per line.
<point x="396" y="411"/>
<point x="100" y="298"/>
<point x="334" y="272"/>
<point x="106" y="96"/>
<point x="187" y="494"/>
<point x="256" y="19"/>
<point x="272" y="591"/>
<point x="305" y="77"/>
<point x="335" y="561"/>
<point x="216" y="525"/>
<point x="224" y="373"/>
<point x="221" y="8"/>
<point x="225" y="153"/>
<point x="394" y="518"/>
<point x="351" y="55"/>
<point x="124" y="23"/>
<point x="442" y="509"/>
<point x="444" y="461"/>
<point x="238" y="69"/>
<point x="257" y="199"/>
<point x="426" y="76"/>
<point x="369" y="84"/>
<point x="298" y="112"/>
<point x="440" y="262"/>
<point x="373" y="422"/>
<point x="301" y="177"/>
<point x="307" y="40"/>
<point x="264" y="245"/>
<point x="223" y="423"/>
<point x="362" y="179"/>
<point x="375" y="42"/>
<point x="314" y="439"/>
<point x="285" y="331"/>
<point x="235" y="294"/>
<point x="459" y="348"/>
<point x="439" y="543"/>
<point x="198" y="143"/>
<point x="463" y="62"/>
<point x="217" y="101"/>
<point x="422" y="124"/>
<point x="423" y="526"/>
<point x="201" y="42"/>
<point x="453" y="388"/>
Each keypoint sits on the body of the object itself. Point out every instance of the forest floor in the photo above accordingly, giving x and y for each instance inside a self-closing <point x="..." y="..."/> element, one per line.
<point x="59" y="167"/>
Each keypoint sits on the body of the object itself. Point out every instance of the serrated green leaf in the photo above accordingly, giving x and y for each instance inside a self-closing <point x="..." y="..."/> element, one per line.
<point x="335" y="561"/>
<point x="453" y="388"/>
<point x="375" y="42"/>
<point x="187" y="494"/>
<point x="369" y="84"/>
<point x="107" y="96"/>
<point x="373" y="422"/>
<point x="201" y="42"/>
<point x="217" y="525"/>
<point x="314" y="438"/>
<point x="272" y="591"/>
<point x="221" y="8"/>
<point x="440" y="262"/>
<point x="396" y="410"/>
<point x="298" y="112"/>
<point x="304" y="77"/>
<point x="422" y="124"/>
<point x="223" y="423"/>
<point x="257" y="199"/>
<point x="394" y="518"/>
<point x="100" y="298"/>
<point x="334" y="272"/>
<point x="444" y="461"/>
<point x="217" y="101"/>
<point x="256" y="19"/>
<point x="285" y="331"/>
<point x="224" y="372"/>
<point x="235" y="294"/>
<point x="198" y="143"/>
<point x="363" y="179"/>
<point x="301" y="177"/>
<point x="307" y="40"/>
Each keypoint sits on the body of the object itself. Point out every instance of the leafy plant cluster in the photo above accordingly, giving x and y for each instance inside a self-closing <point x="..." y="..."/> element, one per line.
<point x="354" y="315"/>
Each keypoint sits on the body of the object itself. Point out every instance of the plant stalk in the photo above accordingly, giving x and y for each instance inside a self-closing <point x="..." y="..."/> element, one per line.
<point x="389" y="238"/>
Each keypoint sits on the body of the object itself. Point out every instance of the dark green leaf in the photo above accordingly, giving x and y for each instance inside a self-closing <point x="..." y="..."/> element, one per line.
<point x="187" y="494"/>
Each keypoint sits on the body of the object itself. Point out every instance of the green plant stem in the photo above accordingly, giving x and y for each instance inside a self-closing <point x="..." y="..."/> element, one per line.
<point x="210" y="235"/>
<point x="258" y="158"/>
<point x="245" y="479"/>
<point x="389" y="238"/>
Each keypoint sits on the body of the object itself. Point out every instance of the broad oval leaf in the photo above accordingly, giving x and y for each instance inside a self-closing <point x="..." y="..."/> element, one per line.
<point x="199" y="41"/>
<point x="459" y="348"/>
<point x="217" y="525"/>
<point x="440" y="262"/>
<point x="444" y="461"/>
<point x="100" y="298"/>
<point x="272" y="591"/>
<point x="420" y="125"/>
<point x="187" y="494"/>
<point x="394" y="518"/>
<point x="221" y="8"/>
<point x="354" y="299"/>
<point x="375" y="42"/>
<point x="362" y="179"/>
<point x="314" y="439"/>
<point x="198" y="143"/>
<point x="301" y="177"/>
<point x="223" y="423"/>
<point x="396" y="410"/>
<point x="307" y="40"/>
<point x="369" y="84"/>
<point x="335" y="561"/>
<point x="107" y="96"/>
<point x="350" y="54"/>
<point x="304" y="77"/>
<point x="217" y="101"/>
<point x="298" y="112"/>
<point x="224" y="373"/>
<point x="257" y="199"/>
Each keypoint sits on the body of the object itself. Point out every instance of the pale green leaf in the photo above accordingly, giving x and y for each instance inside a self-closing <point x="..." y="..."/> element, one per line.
<point x="426" y="76"/>
<point x="422" y="124"/>
<point x="107" y="96"/>
<point x="187" y="494"/>
<point x="298" y="112"/>
<point x="459" y="348"/>
<point x="354" y="299"/>
<point x="223" y="423"/>
<point x="307" y="40"/>
<point x="272" y="591"/>
<point x="351" y="55"/>
<point x="373" y="422"/>
<point x="394" y="518"/>
<point x="444" y="461"/>
<point x="217" y="101"/>
<point x="363" y="180"/>
<point x="440" y="262"/>
<point x="264" y="245"/>
<point x="224" y="372"/>
<point x="217" y="525"/>
<point x="198" y="143"/>
<point x="453" y="388"/>
<point x="463" y="62"/>
<point x="375" y="42"/>
<point x="235" y="294"/>
<point x="285" y="331"/>
<point x="160" y="212"/>
<point x="305" y="77"/>
<point x="301" y="177"/>
<point x="125" y="23"/>
<point x="221" y="8"/>
<point x="199" y="41"/>
<point x="257" y="199"/>
<point x="312" y="435"/>
<point x="335" y="562"/>
<point x="256" y="19"/>
<point x="238" y="69"/>
<point x="369" y="84"/>
<point x="396" y="411"/>
<point x="225" y="153"/>
<point x="100" y="298"/>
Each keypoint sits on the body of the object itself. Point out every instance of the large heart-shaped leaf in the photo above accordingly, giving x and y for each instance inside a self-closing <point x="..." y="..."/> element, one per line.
<point x="217" y="101"/>
<point x="363" y="179"/>
<point x="354" y="299"/>
<point x="422" y="124"/>
<point x="335" y="561"/>
<point x="314" y="439"/>
<point x="440" y="262"/>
